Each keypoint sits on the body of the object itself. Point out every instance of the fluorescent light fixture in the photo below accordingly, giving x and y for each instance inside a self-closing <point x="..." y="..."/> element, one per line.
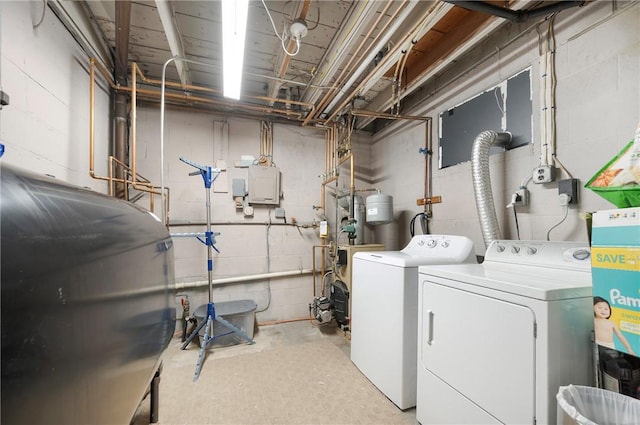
<point x="234" y="28"/>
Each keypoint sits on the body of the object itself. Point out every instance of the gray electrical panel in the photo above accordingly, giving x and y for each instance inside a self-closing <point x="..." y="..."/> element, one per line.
<point x="264" y="185"/>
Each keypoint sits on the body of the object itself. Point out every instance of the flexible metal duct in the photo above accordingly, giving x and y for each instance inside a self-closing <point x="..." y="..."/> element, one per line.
<point x="482" y="182"/>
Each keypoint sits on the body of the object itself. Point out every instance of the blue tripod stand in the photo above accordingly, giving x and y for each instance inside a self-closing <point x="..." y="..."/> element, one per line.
<point x="209" y="175"/>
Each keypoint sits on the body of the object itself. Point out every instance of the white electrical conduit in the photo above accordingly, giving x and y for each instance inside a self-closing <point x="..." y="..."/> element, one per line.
<point x="373" y="52"/>
<point x="335" y="55"/>
<point x="237" y="279"/>
<point x="427" y="21"/>
<point x="164" y="72"/>
<point x="347" y="67"/>
<point x="437" y="68"/>
<point x="482" y="182"/>
<point x="545" y="94"/>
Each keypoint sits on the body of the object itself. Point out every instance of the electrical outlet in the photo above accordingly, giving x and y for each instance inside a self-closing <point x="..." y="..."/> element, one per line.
<point x="522" y="197"/>
<point x="544" y="174"/>
<point x="569" y="187"/>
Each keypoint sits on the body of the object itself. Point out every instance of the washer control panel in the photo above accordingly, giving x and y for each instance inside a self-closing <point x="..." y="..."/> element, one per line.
<point x="569" y="255"/>
<point x="440" y="245"/>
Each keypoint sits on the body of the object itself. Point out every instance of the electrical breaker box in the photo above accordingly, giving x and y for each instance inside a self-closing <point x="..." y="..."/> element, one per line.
<point x="264" y="185"/>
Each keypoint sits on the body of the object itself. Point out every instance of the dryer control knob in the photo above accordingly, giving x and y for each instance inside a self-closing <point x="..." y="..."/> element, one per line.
<point x="581" y="254"/>
<point x="445" y="244"/>
<point x="531" y="250"/>
<point x="515" y="249"/>
<point x="421" y="242"/>
<point x="500" y="248"/>
<point x="432" y="243"/>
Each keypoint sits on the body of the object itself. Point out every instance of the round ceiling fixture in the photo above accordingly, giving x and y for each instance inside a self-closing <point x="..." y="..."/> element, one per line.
<point x="298" y="28"/>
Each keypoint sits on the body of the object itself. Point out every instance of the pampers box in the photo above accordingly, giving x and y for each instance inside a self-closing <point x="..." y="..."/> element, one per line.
<point x="615" y="260"/>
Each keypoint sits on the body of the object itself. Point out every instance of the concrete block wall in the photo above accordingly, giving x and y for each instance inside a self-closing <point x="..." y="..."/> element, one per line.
<point x="598" y="108"/>
<point x="45" y="128"/>
<point x="248" y="245"/>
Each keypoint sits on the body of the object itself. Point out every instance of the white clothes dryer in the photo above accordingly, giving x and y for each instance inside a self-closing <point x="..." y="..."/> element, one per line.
<point x="498" y="339"/>
<point x="384" y="319"/>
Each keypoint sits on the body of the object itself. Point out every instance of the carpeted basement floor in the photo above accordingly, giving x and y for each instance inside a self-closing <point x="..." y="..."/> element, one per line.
<point x="295" y="373"/>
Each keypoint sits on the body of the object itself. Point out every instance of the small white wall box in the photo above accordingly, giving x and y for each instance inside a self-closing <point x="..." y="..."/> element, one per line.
<point x="264" y="185"/>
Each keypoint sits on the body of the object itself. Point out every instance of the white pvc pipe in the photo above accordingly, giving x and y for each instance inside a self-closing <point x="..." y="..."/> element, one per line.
<point x="372" y="54"/>
<point x="236" y="279"/>
<point x="162" y="90"/>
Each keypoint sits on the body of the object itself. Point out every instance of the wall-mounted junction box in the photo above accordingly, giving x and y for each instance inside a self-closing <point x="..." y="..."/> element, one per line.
<point x="569" y="187"/>
<point x="522" y="197"/>
<point x="264" y="185"/>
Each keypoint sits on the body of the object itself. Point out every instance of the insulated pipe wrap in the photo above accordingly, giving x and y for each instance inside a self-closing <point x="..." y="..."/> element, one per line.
<point x="482" y="182"/>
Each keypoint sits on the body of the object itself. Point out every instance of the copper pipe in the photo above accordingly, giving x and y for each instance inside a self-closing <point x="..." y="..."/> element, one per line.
<point x="134" y="117"/>
<point x="326" y="142"/>
<point x="115" y="162"/>
<point x="92" y="126"/>
<point x="152" y="81"/>
<point x="191" y="99"/>
<point x="277" y="322"/>
<point x="389" y="54"/>
<point x="143" y="185"/>
<point x="187" y="98"/>
<point x="397" y="76"/>
<point x="329" y="180"/>
<point x="328" y="96"/>
<point x="334" y="131"/>
<point x="363" y="113"/>
<point x="92" y="75"/>
<point x="104" y="73"/>
<point x="428" y="188"/>
<point x="92" y="116"/>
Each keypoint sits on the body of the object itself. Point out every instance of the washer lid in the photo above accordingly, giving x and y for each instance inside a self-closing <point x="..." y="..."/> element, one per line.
<point x="426" y="249"/>
<point x="400" y="259"/>
<point x="532" y="282"/>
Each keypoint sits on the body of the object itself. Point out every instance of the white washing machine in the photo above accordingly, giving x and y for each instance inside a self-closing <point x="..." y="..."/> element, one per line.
<point x="384" y="317"/>
<point x="498" y="339"/>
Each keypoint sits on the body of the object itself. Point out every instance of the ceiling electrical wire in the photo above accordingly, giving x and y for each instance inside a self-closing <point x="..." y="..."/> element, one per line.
<point x="285" y="37"/>
<point x="291" y="17"/>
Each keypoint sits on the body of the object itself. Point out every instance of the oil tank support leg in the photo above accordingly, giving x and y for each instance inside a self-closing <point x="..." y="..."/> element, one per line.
<point x="155" y="396"/>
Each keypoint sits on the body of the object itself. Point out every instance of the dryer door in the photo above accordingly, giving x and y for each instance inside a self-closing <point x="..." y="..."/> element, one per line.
<point x="484" y="348"/>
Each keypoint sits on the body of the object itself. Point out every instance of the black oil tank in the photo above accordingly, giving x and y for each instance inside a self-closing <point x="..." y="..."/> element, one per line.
<point x="87" y="302"/>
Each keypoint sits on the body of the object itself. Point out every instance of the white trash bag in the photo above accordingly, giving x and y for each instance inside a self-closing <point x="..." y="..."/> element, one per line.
<point x="593" y="406"/>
